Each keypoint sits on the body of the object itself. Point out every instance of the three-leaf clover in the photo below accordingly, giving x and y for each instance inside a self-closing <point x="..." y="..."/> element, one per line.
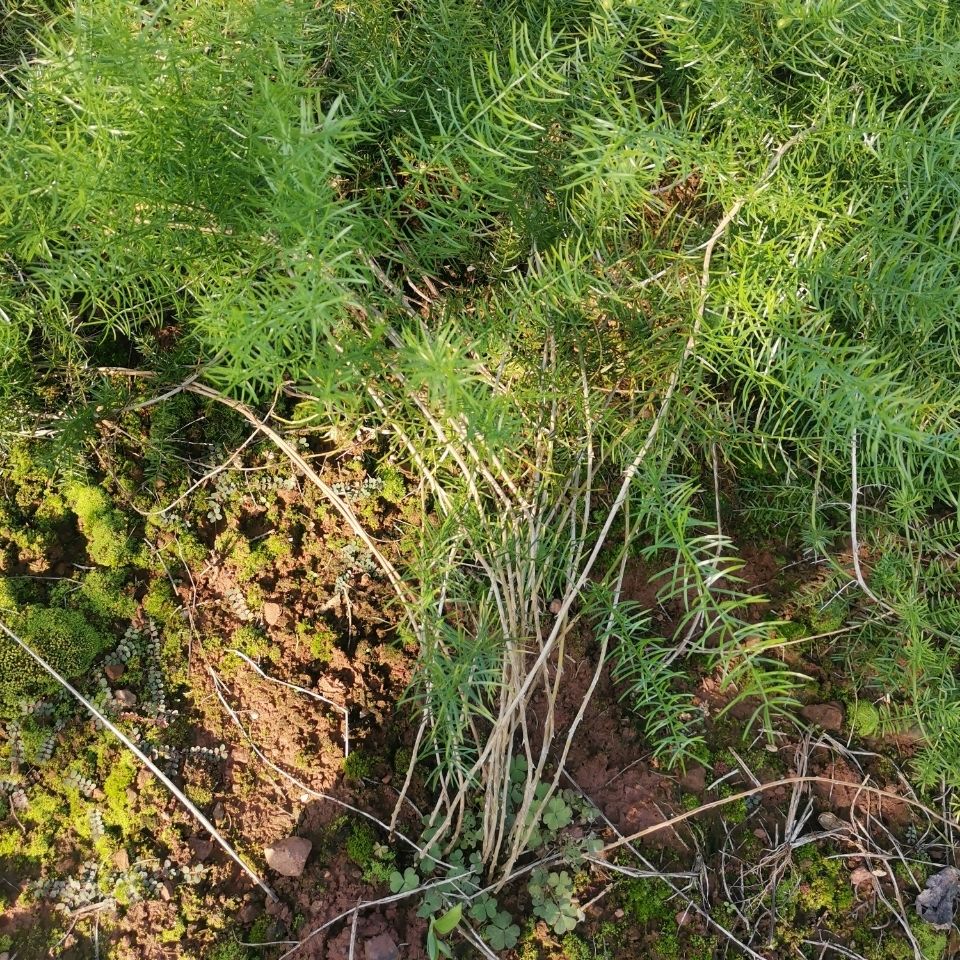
<point x="403" y="882"/>
<point x="502" y="933"/>
<point x="557" y="814"/>
<point x="483" y="908"/>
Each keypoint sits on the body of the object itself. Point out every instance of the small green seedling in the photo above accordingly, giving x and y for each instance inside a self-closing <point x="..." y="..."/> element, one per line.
<point x="439" y="928"/>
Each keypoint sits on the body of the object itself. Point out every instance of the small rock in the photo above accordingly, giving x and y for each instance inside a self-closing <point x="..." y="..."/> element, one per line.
<point x="619" y="913"/>
<point x="695" y="779"/>
<point x="126" y="698"/>
<point x="114" y="671"/>
<point x="143" y="778"/>
<point x="121" y="860"/>
<point x="166" y="890"/>
<point x="288" y="857"/>
<point x="132" y="795"/>
<point x="826" y="715"/>
<point x="249" y="912"/>
<point x="760" y="833"/>
<point x="830" y="821"/>
<point x="936" y="904"/>
<point x="201" y="847"/>
<point x="219" y="814"/>
<point x="556" y="606"/>
<point x="382" y="947"/>
<point x="272" y="613"/>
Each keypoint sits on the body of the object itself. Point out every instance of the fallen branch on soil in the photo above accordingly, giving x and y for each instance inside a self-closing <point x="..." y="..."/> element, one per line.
<point x="773" y="785"/>
<point x="220" y="688"/>
<point x="145" y="760"/>
<point x="310" y="693"/>
<point x="667" y="878"/>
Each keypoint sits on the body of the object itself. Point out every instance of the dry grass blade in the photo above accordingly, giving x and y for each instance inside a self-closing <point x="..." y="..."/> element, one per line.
<point x="310" y="693"/>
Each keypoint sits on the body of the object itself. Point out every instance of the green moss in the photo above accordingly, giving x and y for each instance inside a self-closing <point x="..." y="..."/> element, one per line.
<point x="64" y="638"/>
<point x="667" y="946"/>
<point x="248" y="562"/>
<point x="178" y="545"/>
<point x="259" y="930"/>
<point x="120" y="779"/>
<point x="357" y="766"/>
<point x="864" y="718"/>
<point x="932" y="943"/>
<point x="644" y="901"/>
<point x="228" y="950"/>
<point x="277" y="547"/>
<point x="28" y="474"/>
<point x="321" y="640"/>
<point x="160" y="603"/>
<point x="44" y="815"/>
<point x="255" y="598"/>
<point x="826" y="883"/>
<point x="104" y="595"/>
<point x="202" y="796"/>
<point x="394" y="488"/>
<point x="108" y="541"/>
<point x="575" y="948"/>
<point x="251" y="641"/>
<point x="50" y="511"/>
<point x="375" y="859"/>
<point x="9" y="598"/>
<point x="401" y="761"/>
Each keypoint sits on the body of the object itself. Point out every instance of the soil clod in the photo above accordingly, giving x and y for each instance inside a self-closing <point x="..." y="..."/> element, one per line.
<point x="288" y="857"/>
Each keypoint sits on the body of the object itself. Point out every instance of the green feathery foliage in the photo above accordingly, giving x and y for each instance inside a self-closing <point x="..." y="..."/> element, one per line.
<point x="541" y="245"/>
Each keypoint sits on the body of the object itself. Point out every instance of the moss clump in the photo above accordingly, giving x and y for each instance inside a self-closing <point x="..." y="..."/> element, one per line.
<point x="932" y="943"/>
<point x="259" y="931"/>
<point x="865" y="719"/>
<point x="826" y="884"/>
<point x="104" y="595"/>
<point x="118" y="781"/>
<point x="160" y="604"/>
<point x="64" y="638"/>
<point x="200" y="795"/>
<point x="644" y="901"/>
<point x="376" y="860"/>
<point x="251" y="641"/>
<point x="394" y="489"/>
<point x="321" y="640"/>
<point x="30" y="477"/>
<point x="357" y="766"/>
<point x="9" y="599"/>
<point x="108" y="542"/>
<point x="228" y="950"/>
<point x="248" y="562"/>
<point x="575" y="948"/>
